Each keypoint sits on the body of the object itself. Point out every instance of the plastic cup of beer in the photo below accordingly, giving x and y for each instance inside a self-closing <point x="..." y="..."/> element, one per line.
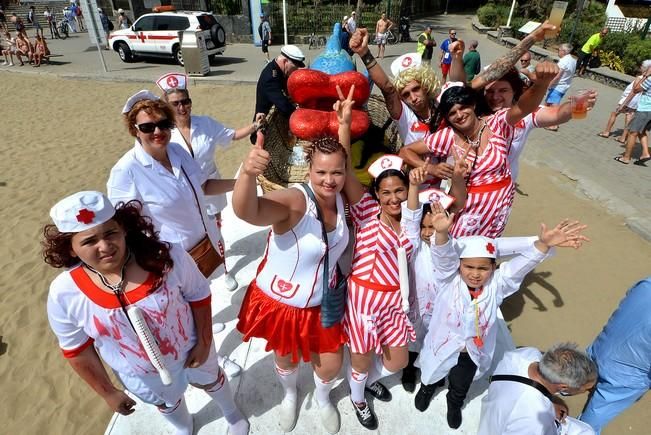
<point x="579" y="103"/>
<point x="556" y="18"/>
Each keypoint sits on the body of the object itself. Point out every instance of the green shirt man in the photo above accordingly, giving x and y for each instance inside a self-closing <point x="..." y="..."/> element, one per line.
<point x="472" y="61"/>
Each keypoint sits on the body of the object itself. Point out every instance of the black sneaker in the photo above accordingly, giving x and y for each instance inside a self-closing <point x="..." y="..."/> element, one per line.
<point x="409" y="379"/>
<point x="454" y="417"/>
<point x="379" y="391"/>
<point x="424" y="396"/>
<point x="365" y="415"/>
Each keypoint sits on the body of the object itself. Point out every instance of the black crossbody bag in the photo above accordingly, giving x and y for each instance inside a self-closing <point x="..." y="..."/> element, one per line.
<point x="333" y="303"/>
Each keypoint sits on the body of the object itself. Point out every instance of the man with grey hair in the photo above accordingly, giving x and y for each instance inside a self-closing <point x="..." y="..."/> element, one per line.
<point x="519" y="398"/>
<point x="561" y="83"/>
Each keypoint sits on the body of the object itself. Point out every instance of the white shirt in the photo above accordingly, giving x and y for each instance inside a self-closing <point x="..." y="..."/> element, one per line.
<point x="421" y="292"/>
<point x="81" y="314"/>
<point x="572" y="426"/>
<point x="293" y="265"/>
<point x="410" y="128"/>
<point x="633" y="103"/>
<point x="512" y="408"/>
<point x="205" y="135"/>
<point x="351" y="25"/>
<point x="167" y="197"/>
<point x="454" y="322"/>
<point x="567" y="64"/>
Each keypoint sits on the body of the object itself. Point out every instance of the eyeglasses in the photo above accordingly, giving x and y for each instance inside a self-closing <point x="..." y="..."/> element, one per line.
<point x="149" y="127"/>
<point x="184" y="102"/>
<point x="453" y="34"/>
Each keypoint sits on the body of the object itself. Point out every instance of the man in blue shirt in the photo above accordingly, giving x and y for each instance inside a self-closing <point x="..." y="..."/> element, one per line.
<point x="622" y="352"/>
<point x="445" y="59"/>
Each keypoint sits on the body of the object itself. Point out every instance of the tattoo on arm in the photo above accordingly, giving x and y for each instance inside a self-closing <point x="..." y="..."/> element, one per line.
<point x="498" y="68"/>
<point x="368" y="59"/>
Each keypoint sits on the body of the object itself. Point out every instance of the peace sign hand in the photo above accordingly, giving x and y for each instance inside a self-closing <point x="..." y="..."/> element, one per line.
<point x="418" y="175"/>
<point x="461" y="169"/>
<point x="344" y="106"/>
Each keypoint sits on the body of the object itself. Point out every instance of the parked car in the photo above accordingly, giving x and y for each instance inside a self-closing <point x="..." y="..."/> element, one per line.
<point x="156" y="35"/>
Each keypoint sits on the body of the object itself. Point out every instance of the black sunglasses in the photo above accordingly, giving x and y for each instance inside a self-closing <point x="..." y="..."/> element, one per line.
<point x="184" y="102"/>
<point x="149" y="127"/>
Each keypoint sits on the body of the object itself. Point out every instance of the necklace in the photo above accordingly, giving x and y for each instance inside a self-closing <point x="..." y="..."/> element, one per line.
<point x="475" y="143"/>
<point x="390" y="224"/>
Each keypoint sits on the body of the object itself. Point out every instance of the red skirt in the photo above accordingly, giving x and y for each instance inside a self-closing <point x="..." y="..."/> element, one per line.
<point x="287" y="329"/>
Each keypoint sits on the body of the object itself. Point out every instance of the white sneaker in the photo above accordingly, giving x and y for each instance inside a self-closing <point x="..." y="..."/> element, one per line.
<point x="230" y="283"/>
<point x="5" y="63"/>
<point x="218" y="327"/>
<point x="11" y="64"/>
<point x="239" y="428"/>
<point x="330" y="418"/>
<point x="287" y="415"/>
<point x="231" y="368"/>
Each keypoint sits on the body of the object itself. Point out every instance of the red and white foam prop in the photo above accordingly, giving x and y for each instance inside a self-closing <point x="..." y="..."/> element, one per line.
<point x="403" y="273"/>
<point x="149" y="343"/>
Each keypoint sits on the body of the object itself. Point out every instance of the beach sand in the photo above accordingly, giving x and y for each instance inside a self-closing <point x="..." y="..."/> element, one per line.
<point x="60" y="136"/>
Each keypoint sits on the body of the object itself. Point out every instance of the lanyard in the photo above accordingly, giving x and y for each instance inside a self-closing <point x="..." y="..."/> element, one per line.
<point x="118" y="288"/>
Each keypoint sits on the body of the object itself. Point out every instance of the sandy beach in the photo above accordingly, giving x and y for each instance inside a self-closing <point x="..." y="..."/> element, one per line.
<point x="62" y="135"/>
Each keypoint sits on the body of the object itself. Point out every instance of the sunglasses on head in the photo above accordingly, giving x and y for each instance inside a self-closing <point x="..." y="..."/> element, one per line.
<point x="183" y="102"/>
<point x="149" y="127"/>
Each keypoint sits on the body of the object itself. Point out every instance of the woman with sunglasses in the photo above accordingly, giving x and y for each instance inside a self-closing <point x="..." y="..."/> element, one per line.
<point x="485" y="143"/>
<point x="200" y="136"/>
<point x="115" y="264"/>
<point x="165" y="178"/>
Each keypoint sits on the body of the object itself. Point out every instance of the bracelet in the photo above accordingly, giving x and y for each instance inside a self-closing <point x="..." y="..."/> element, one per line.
<point x="368" y="59"/>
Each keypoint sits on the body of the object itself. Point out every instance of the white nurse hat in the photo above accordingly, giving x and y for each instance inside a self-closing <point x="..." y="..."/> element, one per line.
<point x="138" y="96"/>
<point x="172" y="81"/>
<point x="448" y="85"/>
<point x="432" y="195"/>
<point x="404" y="62"/>
<point x="476" y="247"/>
<point x="385" y="163"/>
<point x="81" y="211"/>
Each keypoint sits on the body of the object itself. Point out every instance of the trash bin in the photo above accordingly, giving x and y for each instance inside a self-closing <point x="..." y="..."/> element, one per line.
<point x="195" y="54"/>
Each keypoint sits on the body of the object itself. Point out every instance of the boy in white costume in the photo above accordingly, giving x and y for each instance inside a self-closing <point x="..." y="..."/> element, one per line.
<point x="461" y="342"/>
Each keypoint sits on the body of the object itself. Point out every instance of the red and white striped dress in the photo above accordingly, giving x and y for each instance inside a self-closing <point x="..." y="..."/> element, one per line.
<point x="490" y="187"/>
<point x="374" y="315"/>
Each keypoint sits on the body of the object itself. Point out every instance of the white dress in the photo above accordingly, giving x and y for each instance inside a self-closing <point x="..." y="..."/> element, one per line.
<point x="206" y="134"/>
<point x="456" y="317"/>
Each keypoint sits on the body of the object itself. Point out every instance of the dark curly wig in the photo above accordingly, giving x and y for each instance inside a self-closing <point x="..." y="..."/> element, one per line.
<point x="149" y="251"/>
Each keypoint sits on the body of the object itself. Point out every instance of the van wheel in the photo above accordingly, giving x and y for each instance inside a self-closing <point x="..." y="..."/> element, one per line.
<point x="178" y="54"/>
<point x="124" y="52"/>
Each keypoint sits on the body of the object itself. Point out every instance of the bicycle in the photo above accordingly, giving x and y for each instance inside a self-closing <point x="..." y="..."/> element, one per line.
<point x="391" y="38"/>
<point x="316" y="41"/>
<point x="64" y="28"/>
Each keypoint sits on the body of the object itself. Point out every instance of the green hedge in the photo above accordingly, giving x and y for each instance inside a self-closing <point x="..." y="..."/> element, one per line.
<point x="493" y="15"/>
<point x="635" y="53"/>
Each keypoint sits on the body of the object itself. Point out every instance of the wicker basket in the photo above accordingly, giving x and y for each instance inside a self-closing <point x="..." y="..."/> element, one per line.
<point x="280" y="143"/>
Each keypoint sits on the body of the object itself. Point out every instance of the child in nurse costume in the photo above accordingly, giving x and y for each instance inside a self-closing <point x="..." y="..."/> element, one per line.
<point x="461" y="338"/>
<point x="116" y="264"/>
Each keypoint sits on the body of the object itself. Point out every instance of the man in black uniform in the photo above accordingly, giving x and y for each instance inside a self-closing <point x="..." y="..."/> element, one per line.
<point x="272" y="84"/>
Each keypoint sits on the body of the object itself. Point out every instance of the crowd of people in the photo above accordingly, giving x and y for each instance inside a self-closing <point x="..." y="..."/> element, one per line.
<point x="401" y="275"/>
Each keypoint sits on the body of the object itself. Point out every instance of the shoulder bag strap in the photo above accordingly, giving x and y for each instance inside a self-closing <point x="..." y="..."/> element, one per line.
<point x="521" y="379"/>
<point x="196" y="199"/>
<point x="324" y="235"/>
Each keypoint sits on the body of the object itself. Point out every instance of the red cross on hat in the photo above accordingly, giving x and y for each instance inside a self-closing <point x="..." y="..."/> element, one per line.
<point x="490" y="248"/>
<point x="85" y="216"/>
<point x="172" y="82"/>
<point x="407" y="61"/>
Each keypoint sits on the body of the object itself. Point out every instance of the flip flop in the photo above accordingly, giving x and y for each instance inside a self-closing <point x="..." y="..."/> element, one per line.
<point x="620" y="160"/>
<point x="605" y="136"/>
<point x="551" y="128"/>
<point x="641" y="162"/>
<point x="619" y="140"/>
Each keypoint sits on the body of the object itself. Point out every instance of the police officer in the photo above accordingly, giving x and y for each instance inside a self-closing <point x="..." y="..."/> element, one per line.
<point x="272" y="84"/>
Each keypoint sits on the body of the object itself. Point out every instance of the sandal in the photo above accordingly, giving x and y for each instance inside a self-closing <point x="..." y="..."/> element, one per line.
<point x="621" y="160"/>
<point x="551" y="128"/>
<point x="641" y="162"/>
<point x="604" y="135"/>
<point x="617" y="139"/>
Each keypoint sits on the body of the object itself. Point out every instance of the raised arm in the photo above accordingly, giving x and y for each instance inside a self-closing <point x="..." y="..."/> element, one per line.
<point x="498" y="68"/>
<point x="270" y="209"/>
<point x="444" y="256"/>
<point x="353" y="189"/>
<point x="458" y="187"/>
<point x="417" y="177"/>
<point x="359" y="44"/>
<point x="414" y="155"/>
<point x="457" y="72"/>
<point x="532" y="97"/>
<point x="554" y="115"/>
